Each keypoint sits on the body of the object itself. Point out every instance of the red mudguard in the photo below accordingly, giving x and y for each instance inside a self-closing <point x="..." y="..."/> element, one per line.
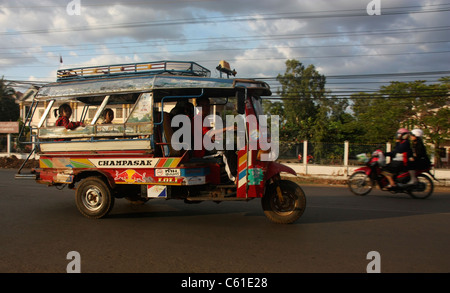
<point x="275" y="168"/>
<point x="365" y="169"/>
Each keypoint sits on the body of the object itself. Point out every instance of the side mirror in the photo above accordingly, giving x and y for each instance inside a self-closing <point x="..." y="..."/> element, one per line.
<point x="240" y="102"/>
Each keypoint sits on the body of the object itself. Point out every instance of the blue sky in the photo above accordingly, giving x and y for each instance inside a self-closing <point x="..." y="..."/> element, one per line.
<point x="256" y="36"/>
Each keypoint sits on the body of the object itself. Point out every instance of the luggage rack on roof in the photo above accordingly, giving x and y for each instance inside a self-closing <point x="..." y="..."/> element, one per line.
<point x="147" y="68"/>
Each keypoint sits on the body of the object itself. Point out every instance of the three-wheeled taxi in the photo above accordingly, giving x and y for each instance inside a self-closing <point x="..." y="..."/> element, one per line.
<point x="144" y="153"/>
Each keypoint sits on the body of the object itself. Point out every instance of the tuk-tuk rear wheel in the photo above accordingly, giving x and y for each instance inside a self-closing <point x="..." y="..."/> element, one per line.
<point x="290" y="208"/>
<point x="94" y="198"/>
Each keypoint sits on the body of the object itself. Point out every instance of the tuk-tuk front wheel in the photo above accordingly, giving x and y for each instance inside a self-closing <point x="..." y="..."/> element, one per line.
<point x="289" y="208"/>
<point x="93" y="198"/>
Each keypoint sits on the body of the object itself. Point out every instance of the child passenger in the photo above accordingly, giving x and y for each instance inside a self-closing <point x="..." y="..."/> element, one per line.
<point x="64" y="112"/>
<point x="108" y="116"/>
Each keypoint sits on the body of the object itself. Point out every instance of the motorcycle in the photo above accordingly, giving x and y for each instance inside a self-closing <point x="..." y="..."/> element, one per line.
<point x="309" y="159"/>
<point x="364" y="179"/>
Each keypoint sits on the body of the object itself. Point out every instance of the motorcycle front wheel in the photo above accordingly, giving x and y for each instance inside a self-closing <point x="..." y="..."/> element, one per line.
<point x="359" y="183"/>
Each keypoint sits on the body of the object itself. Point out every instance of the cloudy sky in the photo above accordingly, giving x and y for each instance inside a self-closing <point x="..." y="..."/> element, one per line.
<point x="410" y="40"/>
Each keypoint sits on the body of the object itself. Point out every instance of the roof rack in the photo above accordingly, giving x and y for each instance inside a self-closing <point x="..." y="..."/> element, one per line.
<point x="146" y="68"/>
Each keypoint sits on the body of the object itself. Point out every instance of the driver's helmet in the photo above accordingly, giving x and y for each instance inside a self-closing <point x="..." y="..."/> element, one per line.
<point x="381" y="159"/>
<point x="417" y="132"/>
<point x="402" y="133"/>
<point x="377" y="153"/>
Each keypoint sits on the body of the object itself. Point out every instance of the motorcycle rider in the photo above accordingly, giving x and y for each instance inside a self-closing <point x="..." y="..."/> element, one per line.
<point x="399" y="157"/>
<point x="419" y="159"/>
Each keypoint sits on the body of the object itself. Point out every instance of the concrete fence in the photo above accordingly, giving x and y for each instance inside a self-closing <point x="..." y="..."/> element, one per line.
<point x="335" y="172"/>
<point x="343" y="172"/>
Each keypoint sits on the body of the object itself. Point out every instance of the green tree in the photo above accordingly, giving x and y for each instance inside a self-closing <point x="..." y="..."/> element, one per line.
<point x="9" y="110"/>
<point x="331" y="121"/>
<point x="431" y="112"/>
<point x="301" y="89"/>
<point x="379" y="115"/>
<point x="273" y="108"/>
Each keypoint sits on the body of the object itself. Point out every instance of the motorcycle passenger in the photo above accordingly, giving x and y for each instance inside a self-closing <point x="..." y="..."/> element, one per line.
<point x="419" y="159"/>
<point x="399" y="157"/>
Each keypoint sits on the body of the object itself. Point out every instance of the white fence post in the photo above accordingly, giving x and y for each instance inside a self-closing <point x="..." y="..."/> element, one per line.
<point x="305" y="155"/>
<point x="8" y="144"/>
<point x="346" y="156"/>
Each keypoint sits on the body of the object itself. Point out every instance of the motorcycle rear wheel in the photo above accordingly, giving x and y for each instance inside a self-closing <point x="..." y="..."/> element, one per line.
<point x="423" y="189"/>
<point x="359" y="183"/>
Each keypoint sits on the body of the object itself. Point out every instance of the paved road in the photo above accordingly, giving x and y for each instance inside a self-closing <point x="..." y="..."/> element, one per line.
<point x="40" y="225"/>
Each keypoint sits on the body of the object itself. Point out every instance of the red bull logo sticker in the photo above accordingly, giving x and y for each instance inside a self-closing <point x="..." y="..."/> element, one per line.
<point x="130" y="176"/>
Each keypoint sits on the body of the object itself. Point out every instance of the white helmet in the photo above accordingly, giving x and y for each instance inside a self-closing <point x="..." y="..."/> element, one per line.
<point x="417" y="132"/>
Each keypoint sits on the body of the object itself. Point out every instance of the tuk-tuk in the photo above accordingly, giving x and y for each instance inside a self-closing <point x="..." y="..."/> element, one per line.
<point x="142" y="156"/>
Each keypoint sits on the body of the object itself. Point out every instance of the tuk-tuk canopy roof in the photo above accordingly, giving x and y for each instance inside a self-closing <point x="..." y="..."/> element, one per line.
<point x="133" y="69"/>
<point x="146" y="81"/>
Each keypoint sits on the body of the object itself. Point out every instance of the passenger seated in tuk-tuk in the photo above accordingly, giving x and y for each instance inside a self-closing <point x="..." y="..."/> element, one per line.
<point x="108" y="116"/>
<point x="183" y="107"/>
<point x="64" y="112"/>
